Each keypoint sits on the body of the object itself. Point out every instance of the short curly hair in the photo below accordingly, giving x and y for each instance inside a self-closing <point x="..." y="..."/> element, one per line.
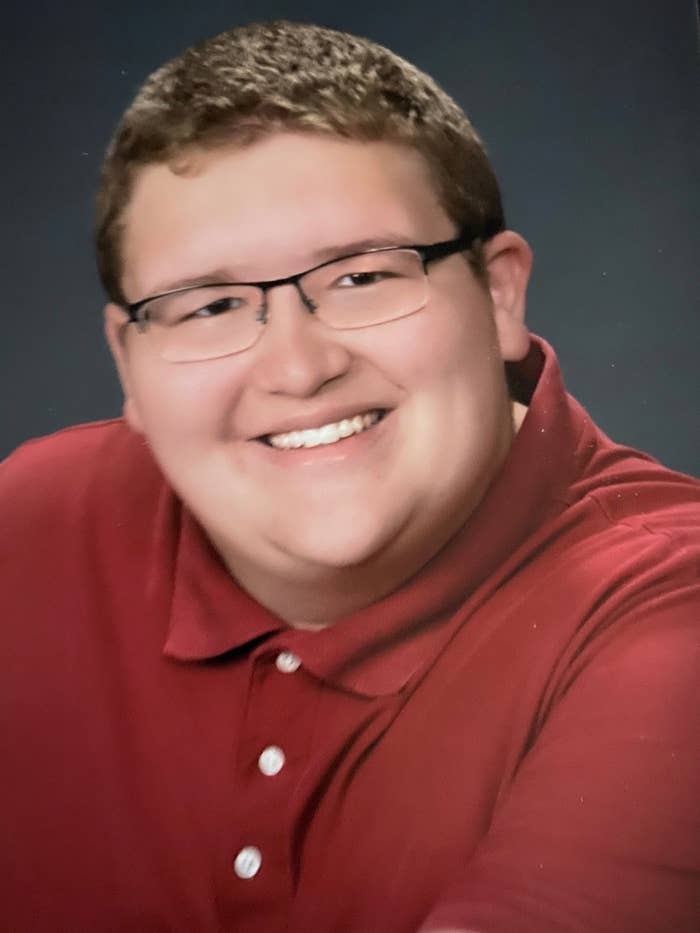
<point x="266" y="77"/>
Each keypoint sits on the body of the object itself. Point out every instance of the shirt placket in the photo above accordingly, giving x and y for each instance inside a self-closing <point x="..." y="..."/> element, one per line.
<point x="271" y="754"/>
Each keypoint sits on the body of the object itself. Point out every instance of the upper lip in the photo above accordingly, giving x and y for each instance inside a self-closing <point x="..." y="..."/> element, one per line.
<point x="316" y="418"/>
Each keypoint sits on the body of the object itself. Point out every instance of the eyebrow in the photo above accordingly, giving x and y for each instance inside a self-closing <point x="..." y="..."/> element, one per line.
<point x="325" y="254"/>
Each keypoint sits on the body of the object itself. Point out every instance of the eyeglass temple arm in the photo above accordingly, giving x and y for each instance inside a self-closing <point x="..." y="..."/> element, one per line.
<point x="447" y="247"/>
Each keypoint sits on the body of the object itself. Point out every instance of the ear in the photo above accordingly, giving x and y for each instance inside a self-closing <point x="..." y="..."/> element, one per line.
<point x="508" y="260"/>
<point x="117" y="332"/>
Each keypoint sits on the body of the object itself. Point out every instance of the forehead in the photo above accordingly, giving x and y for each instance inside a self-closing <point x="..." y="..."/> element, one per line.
<point x="266" y="210"/>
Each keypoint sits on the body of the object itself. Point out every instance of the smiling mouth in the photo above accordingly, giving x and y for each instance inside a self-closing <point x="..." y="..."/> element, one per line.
<point x="326" y="434"/>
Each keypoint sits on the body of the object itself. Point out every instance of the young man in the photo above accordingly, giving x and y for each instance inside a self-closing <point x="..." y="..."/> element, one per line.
<point x="355" y="622"/>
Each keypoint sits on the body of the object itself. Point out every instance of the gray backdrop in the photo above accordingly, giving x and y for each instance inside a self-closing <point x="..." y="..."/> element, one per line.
<point x="590" y="114"/>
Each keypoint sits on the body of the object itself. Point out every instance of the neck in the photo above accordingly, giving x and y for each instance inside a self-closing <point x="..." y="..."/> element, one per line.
<point x="319" y="596"/>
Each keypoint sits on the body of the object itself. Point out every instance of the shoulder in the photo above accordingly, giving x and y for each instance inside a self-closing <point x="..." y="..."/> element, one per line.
<point x="67" y="476"/>
<point x="621" y="557"/>
<point x="72" y="446"/>
<point x="633" y="495"/>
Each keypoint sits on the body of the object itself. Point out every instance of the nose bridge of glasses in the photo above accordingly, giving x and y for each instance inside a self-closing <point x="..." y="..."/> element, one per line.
<point x="295" y="281"/>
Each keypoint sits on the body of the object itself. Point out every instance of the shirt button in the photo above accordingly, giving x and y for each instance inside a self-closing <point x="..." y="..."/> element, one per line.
<point x="287" y="662"/>
<point x="248" y="861"/>
<point x="271" y="760"/>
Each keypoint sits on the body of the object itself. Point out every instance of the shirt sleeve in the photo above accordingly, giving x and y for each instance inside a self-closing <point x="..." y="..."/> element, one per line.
<point x="599" y="832"/>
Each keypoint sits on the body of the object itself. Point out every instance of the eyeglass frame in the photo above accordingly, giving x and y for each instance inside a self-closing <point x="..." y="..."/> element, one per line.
<point x="427" y="254"/>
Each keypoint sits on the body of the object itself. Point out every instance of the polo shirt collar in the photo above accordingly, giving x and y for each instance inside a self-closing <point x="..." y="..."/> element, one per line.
<point x="378" y="650"/>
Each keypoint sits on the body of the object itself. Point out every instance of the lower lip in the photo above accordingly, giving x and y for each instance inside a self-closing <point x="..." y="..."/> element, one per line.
<point x="345" y="451"/>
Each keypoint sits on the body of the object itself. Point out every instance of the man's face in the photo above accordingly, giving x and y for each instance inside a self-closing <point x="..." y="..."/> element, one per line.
<point x="404" y="485"/>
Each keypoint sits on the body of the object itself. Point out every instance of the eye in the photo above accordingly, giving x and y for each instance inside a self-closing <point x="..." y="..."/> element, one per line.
<point x="219" y="306"/>
<point x="355" y="279"/>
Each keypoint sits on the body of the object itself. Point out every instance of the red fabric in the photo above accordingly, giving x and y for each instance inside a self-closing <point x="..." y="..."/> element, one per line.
<point x="508" y="743"/>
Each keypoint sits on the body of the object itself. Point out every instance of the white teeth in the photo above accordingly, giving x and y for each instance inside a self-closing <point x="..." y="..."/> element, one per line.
<point x="326" y="434"/>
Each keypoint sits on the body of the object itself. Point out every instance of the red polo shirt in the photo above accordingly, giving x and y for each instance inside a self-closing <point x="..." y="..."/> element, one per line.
<point x="510" y="742"/>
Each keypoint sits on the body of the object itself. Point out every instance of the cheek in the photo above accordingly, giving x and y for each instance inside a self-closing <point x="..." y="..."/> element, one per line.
<point x="449" y="341"/>
<point x="183" y="402"/>
<point x="448" y="362"/>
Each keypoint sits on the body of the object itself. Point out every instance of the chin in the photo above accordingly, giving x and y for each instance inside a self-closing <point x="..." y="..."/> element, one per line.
<point x="338" y="547"/>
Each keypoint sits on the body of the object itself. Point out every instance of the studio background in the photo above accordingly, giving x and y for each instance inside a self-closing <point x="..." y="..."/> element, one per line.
<point x="590" y="115"/>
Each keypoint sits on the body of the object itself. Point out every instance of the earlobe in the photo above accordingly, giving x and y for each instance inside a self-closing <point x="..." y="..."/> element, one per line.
<point x="116" y="333"/>
<point x="508" y="260"/>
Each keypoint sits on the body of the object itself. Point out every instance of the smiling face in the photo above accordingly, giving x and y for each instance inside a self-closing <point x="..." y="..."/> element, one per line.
<point x="361" y="514"/>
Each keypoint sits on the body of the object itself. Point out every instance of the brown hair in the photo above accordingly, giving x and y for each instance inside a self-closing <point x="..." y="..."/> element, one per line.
<point x="264" y="77"/>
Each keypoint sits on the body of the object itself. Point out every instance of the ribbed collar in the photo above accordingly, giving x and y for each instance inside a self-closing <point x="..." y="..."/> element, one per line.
<point x="377" y="650"/>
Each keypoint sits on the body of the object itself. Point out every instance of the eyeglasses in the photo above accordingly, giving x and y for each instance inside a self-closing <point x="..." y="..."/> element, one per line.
<point x="205" y="322"/>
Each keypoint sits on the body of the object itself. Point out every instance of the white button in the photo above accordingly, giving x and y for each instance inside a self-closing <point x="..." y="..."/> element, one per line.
<point x="271" y="760"/>
<point x="287" y="662"/>
<point x="248" y="862"/>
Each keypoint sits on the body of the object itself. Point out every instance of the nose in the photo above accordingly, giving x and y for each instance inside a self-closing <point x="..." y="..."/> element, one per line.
<point x="297" y="353"/>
